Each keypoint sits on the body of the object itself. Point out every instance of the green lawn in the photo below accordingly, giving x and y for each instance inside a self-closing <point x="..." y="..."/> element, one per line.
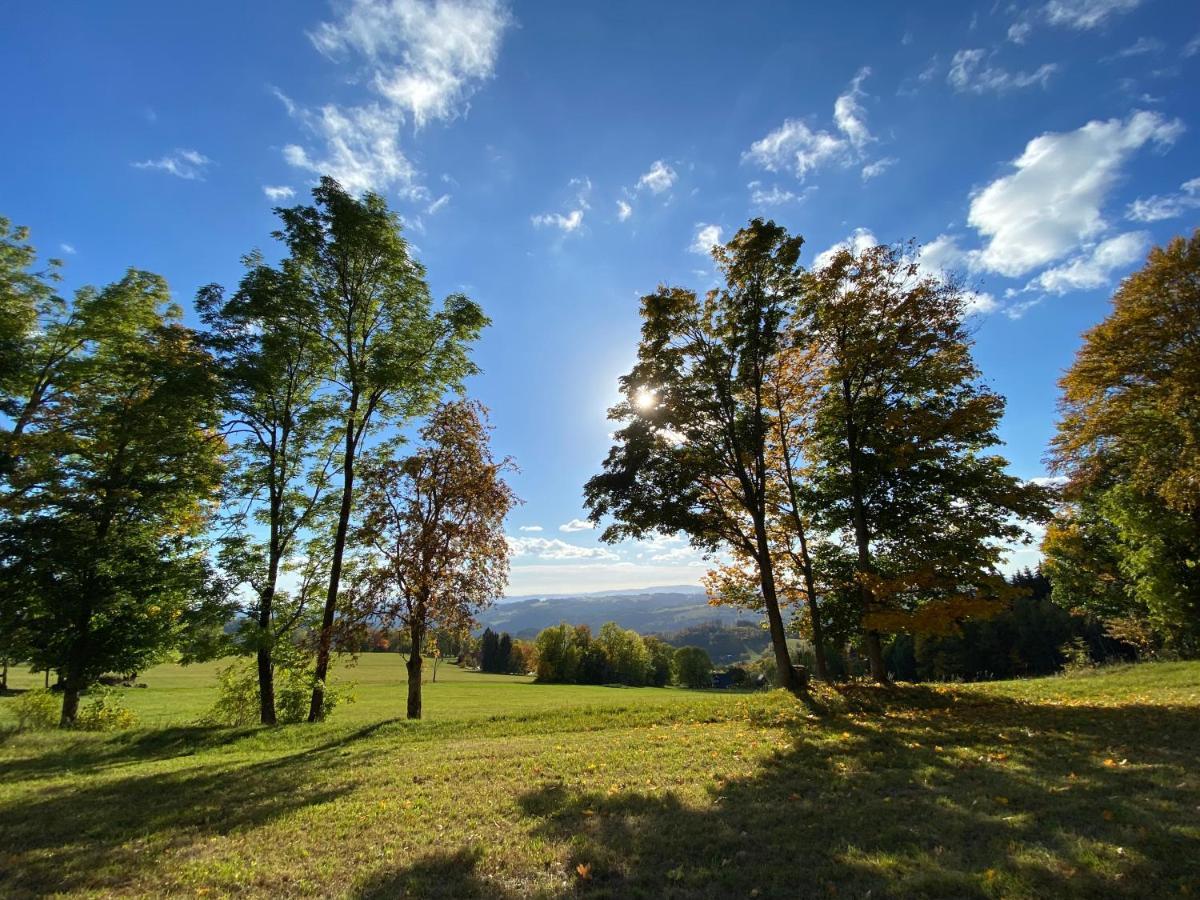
<point x="180" y="695"/>
<point x="1081" y="786"/>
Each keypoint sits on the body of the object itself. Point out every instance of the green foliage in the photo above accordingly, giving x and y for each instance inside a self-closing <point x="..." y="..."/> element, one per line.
<point x="37" y="710"/>
<point x="626" y="654"/>
<point x="662" y="656"/>
<point x="693" y="668"/>
<point x="110" y="487"/>
<point x="1126" y="543"/>
<point x="237" y="701"/>
<point x="103" y="709"/>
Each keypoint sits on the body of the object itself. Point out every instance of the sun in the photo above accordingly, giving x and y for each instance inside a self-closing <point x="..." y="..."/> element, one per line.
<point x="645" y="399"/>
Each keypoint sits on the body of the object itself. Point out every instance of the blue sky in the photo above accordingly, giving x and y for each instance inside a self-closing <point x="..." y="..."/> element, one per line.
<point x="557" y="160"/>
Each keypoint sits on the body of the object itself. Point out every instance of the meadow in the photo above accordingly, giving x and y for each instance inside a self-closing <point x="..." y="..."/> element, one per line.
<point x="1087" y="785"/>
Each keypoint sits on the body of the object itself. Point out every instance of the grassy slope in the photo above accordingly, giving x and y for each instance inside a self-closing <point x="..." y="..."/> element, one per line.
<point x="1084" y="786"/>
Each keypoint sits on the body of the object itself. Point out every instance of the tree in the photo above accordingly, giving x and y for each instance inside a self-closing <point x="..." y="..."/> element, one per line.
<point x="504" y="650"/>
<point x="661" y="656"/>
<point x="435" y="523"/>
<point x="627" y="656"/>
<point x="1127" y="540"/>
<point x="692" y="454"/>
<point x="898" y="450"/>
<point x="392" y="355"/>
<point x="113" y="484"/>
<point x="489" y="650"/>
<point x="558" y="654"/>
<point x="693" y="668"/>
<point x="272" y="366"/>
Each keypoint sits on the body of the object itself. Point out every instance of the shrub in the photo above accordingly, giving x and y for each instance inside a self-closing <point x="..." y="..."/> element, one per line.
<point x="104" y="710"/>
<point x="37" y="710"/>
<point x="693" y="668"/>
<point x="237" y="696"/>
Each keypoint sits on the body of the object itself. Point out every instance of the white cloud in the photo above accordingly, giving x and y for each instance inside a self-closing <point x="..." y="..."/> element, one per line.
<point x="774" y="195"/>
<point x="658" y="179"/>
<point x="1018" y="32"/>
<point x="969" y="72"/>
<point x="69" y="249"/>
<point x="568" y="223"/>
<point x="1158" y="207"/>
<point x="423" y="60"/>
<point x="1085" y="14"/>
<point x="362" y="149"/>
<point x="1094" y="267"/>
<point x="437" y="204"/>
<point x="553" y="548"/>
<point x="186" y="164"/>
<point x="1140" y="47"/>
<point x="1052" y="201"/>
<point x="877" y="168"/>
<point x="1191" y="48"/>
<point x="797" y="148"/>
<point x="624" y="210"/>
<point x="859" y="240"/>
<point x="848" y="113"/>
<point x="577" y="525"/>
<point x="530" y="528"/>
<point x="573" y="218"/>
<point x="707" y="237"/>
<point x="280" y="192"/>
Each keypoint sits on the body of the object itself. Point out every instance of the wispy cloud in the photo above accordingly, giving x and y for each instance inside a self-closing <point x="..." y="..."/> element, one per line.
<point x="276" y="193"/>
<point x="659" y="178"/>
<point x="577" y="525"/>
<point x="796" y="147"/>
<point x="422" y="60"/>
<point x="707" y="236"/>
<point x="1159" y="207"/>
<point x="970" y="72"/>
<point x="187" y="164"/>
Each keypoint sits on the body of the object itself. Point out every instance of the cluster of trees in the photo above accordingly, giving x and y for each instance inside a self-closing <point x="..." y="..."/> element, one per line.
<point x="570" y="654"/>
<point x="159" y="481"/>
<point x="829" y="432"/>
<point x="499" y="654"/>
<point x="1126" y="542"/>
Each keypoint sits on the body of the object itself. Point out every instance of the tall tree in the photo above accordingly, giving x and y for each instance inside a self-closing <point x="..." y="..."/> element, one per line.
<point x="435" y="524"/>
<point x="692" y="455"/>
<point x="899" y="453"/>
<point x="273" y="366"/>
<point x="393" y="356"/>
<point x="111" y="489"/>
<point x="1127" y="540"/>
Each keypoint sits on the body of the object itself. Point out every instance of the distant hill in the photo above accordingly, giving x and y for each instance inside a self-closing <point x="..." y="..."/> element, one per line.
<point x="655" y="611"/>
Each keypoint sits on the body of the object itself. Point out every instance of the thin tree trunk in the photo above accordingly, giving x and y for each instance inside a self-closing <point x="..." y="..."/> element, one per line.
<point x="266" y="676"/>
<point x="862" y="541"/>
<point x="70" y="707"/>
<point x="783" y="659"/>
<point x="414" y="665"/>
<point x="316" y="710"/>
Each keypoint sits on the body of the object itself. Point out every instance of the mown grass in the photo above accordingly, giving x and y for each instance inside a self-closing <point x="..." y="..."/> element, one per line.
<point x="180" y="695"/>
<point x="1083" y="786"/>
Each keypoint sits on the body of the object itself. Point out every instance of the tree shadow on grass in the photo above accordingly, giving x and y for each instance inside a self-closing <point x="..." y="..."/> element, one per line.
<point x="449" y="875"/>
<point x="99" y="837"/>
<point x="1011" y="799"/>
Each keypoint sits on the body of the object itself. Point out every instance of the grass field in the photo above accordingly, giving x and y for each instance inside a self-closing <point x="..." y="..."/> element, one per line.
<point x="1080" y="786"/>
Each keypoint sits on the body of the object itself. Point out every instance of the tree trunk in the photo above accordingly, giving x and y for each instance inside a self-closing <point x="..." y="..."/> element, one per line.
<point x="814" y="613"/>
<point x="862" y="540"/>
<point x="266" y="685"/>
<point x="70" y="707"/>
<point x="783" y="659"/>
<point x="414" y="681"/>
<point x="316" y="710"/>
<point x="875" y="657"/>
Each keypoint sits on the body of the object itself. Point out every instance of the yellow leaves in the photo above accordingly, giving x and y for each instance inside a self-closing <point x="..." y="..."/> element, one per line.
<point x="1111" y="763"/>
<point x="584" y="871"/>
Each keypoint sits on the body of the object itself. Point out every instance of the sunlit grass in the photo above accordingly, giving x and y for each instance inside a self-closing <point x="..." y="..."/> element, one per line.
<point x="1082" y="786"/>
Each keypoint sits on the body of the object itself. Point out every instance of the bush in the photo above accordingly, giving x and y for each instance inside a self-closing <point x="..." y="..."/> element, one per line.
<point x="237" y="696"/>
<point x="104" y="710"/>
<point x="693" y="668"/>
<point x="37" y="710"/>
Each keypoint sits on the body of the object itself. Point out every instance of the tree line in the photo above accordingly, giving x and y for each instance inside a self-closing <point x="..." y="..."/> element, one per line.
<point x="826" y="435"/>
<point x="158" y="481"/>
